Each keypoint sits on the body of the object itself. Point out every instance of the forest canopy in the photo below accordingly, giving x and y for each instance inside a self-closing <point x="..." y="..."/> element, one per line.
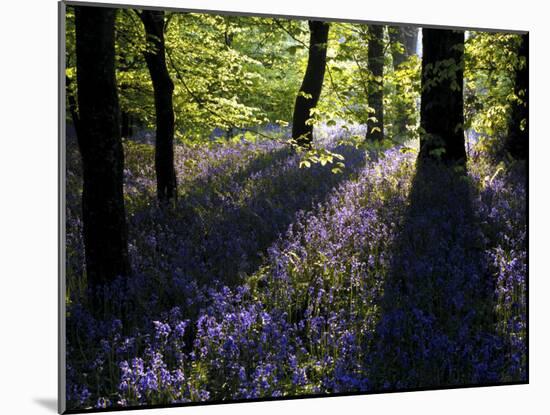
<point x="235" y="75"/>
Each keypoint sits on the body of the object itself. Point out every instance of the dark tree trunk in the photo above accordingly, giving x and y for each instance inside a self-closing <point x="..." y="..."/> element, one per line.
<point x="442" y="108"/>
<point x="312" y="83"/>
<point x="400" y="53"/>
<point x="155" y="57"/>
<point x="72" y="107"/>
<point x="375" y="127"/>
<point x="103" y="213"/>
<point x="518" y="129"/>
<point x="125" y="121"/>
<point x="227" y="35"/>
<point x="126" y="127"/>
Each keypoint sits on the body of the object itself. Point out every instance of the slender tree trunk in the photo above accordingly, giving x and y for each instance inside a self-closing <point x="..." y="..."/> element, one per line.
<point x="410" y="33"/>
<point x="407" y="36"/>
<point x="103" y="213"/>
<point x="375" y="124"/>
<point x="312" y="83"/>
<point x="397" y="36"/>
<point x="442" y="108"/>
<point x="400" y="53"/>
<point x="227" y="34"/>
<point x="155" y="57"/>
<point x="72" y="107"/>
<point x="518" y="130"/>
<point x="126" y="128"/>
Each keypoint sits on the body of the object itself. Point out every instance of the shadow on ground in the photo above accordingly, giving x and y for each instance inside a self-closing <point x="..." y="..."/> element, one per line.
<point x="436" y="325"/>
<point x="224" y="230"/>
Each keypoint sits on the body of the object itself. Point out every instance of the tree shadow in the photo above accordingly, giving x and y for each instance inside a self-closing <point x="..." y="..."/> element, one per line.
<point x="436" y="326"/>
<point x="269" y="207"/>
<point x="221" y="229"/>
<point x="217" y="234"/>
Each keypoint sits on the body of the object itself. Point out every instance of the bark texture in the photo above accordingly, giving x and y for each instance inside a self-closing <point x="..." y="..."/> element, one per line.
<point x="375" y="124"/>
<point x="312" y="83"/>
<point x="442" y="107"/>
<point x="155" y="57"/>
<point x="403" y="41"/>
<point x="407" y="36"/>
<point x="103" y="212"/>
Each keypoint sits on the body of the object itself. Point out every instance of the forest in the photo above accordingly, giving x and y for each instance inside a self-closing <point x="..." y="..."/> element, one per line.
<point x="262" y="207"/>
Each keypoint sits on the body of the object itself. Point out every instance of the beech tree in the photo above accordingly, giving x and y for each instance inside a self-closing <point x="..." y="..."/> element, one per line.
<point x="155" y="57"/>
<point x="401" y="109"/>
<point x="442" y="108"/>
<point x="310" y="91"/>
<point x="375" y="123"/>
<point x="103" y="212"/>
<point x="518" y="127"/>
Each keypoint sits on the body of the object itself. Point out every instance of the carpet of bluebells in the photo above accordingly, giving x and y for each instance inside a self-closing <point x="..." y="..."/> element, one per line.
<point x="271" y="280"/>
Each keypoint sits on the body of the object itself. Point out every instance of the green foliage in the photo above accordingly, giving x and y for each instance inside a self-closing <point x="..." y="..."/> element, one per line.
<point x="229" y="72"/>
<point x="347" y="76"/>
<point x="345" y="92"/>
<point x="235" y="75"/>
<point x="133" y="79"/>
<point x="321" y="156"/>
<point x="70" y="58"/>
<point x="490" y="64"/>
<point x="401" y="100"/>
<point x="443" y="70"/>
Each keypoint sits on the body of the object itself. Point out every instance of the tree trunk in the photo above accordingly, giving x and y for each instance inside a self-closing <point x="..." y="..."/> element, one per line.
<point x="125" y="121"/>
<point x="397" y="35"/>
<point x="442" y="108"/>
<point x="375" y="88"/>
<point x="518" y="129"/>
<point x="126" y="127"/>
<point x="410" y="34"/>
<point x="153" y="21"/>
<point x="400" y="53"/>
<point x="407" y="36"/>
<point x="312" y="83"/>
<point x="103" y="213"/>
<point x="72" y="107"/>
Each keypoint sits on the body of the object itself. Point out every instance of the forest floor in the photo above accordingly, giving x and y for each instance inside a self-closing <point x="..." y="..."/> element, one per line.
<point x="267" y="279"/>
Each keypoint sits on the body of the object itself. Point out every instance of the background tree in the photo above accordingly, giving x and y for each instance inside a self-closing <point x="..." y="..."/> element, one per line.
<point x="72" y="106"/>
<point x="310" y="91"/>
<point x="442" y="109"/>
<point x="155" y="56"/>
<point x="410" y="34"/>
<point x="346" y="89"/>
<point x="518" y="130"/>
<point x="125" y="118"/>
<point x="402" y="84"/>
<point x="491" y="62"/>
<point x="103" y="212"/>
<point x="403" y="41"/>
<point x="375" y="123"/>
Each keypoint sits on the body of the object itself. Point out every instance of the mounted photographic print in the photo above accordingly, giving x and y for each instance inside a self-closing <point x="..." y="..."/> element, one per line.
<point x="260" y="207"/>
